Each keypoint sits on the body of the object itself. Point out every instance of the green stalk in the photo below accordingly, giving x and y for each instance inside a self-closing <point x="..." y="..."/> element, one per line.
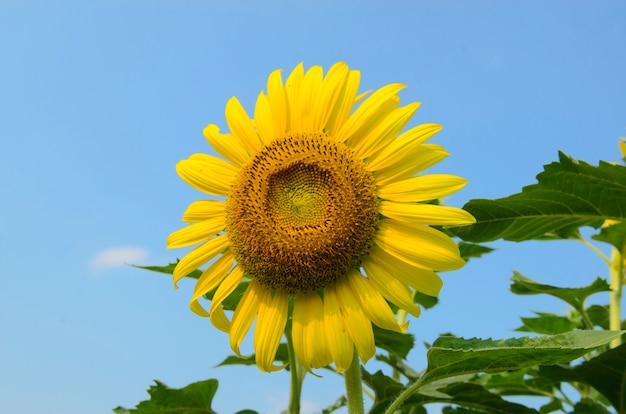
<point x="296" y="378"/>
<point x="585" y="317"/>
<point x="596" y="250"/>
<point x="354" y="387"/>
<point x="403" y="396"/>
<point x="616" y="271"/>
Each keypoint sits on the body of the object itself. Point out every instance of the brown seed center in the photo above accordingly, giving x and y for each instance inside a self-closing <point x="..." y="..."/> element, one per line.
<point x="301" y="213"/>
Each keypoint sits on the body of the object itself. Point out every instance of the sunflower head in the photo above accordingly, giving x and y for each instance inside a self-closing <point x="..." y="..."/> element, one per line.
<point x="323" y="205"/>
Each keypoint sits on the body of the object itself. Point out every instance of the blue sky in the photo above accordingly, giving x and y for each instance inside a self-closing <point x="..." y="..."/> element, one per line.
<point x="100" y="99"/>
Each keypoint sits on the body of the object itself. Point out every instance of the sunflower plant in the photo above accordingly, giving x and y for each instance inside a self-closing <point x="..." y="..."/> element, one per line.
<point x="320" y="227"/>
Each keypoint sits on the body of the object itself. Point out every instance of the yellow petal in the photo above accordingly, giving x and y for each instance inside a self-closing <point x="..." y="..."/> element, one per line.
<point x="423" y="157"/>
<point x="270" y="326"/>
<point x="420" y="246"/>
<point x="372" y="303"/>
<point x="341" y="347"/>
<point x="278" y="102"/>
<point x="219" y="319"/>
<point x="203" y="210"/>
<point x="309" y="95"/>
<point x="369" y="110"/>
<point x="195" y="233"/>
<point x="622" y="147"/>
<point x="241" y="126"/>
<point x="199" y="256"/>
<point x="391" y="288"/>
<point x="359" y="327"/>
<point x="329" y="93"/>
<point x="345" y="103"/>
<point x="228" y="285"/>
<point x="425" y="213"/>
<point x="264" y="120"/>
<point x="206" y="173"/>
<point x="244" y="315"/>
<point x="383" y="132"/>
<point x="299" y="320"/>
<point x="198" y="309"/>
<point x="422" y="188"/>
<point x="213" y="275"/>
<point x="408" y="141"/>
<point x="309" y="337"/>
<point x="294" y="101"/>
<point x="227" y="145"/>
<point x="422" y="280"/>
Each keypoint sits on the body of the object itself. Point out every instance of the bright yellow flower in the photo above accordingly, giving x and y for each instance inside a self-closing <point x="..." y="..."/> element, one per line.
<point x="318" y="189"/>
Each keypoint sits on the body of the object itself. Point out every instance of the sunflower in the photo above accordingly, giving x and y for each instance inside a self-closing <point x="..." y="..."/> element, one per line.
<point x="323" y="218"/>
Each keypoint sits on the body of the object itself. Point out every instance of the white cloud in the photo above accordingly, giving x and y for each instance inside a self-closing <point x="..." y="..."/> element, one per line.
<point x="308" y="407"/>
<point x="278" y="405"/>
<point x="118" y="256"/>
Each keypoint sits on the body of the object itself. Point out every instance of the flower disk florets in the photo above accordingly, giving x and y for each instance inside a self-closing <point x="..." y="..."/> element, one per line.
<point x="301" y="213"/>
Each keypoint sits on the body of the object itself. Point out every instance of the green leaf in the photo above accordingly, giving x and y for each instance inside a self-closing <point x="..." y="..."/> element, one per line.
<point x="568" y="195"/>
<point x="574" y="296"/>
<point x="605" y="372"/>
<point x="461" y="393"/>
<point x="548" y="324"/>
<point x="554" y="405"/>
<point x="589" y="406"/>
<point x="450" y="356"/>
<point x="518" y="382"/>
<point x="396" y="343"/>
<point x="195" y="398"/>
<point x="460" y="410"/>
<point x="472" y="250"/>
<point x="614" y="235"/>
<point x="475" y="396"/>
<point x="599" y="315"/>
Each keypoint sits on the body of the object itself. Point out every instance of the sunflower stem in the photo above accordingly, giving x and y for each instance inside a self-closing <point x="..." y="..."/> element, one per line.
<point x="616" y="271"/>
<point x="354" y="387"/>
<point x="296" y="378"/>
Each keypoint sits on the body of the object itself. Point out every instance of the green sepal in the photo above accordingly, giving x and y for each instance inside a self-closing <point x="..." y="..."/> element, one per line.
<point x="396" y="343"/>
<point x="472" y="250"/>
<point x="169" y="269"/>
<point x="282" y="356"/>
